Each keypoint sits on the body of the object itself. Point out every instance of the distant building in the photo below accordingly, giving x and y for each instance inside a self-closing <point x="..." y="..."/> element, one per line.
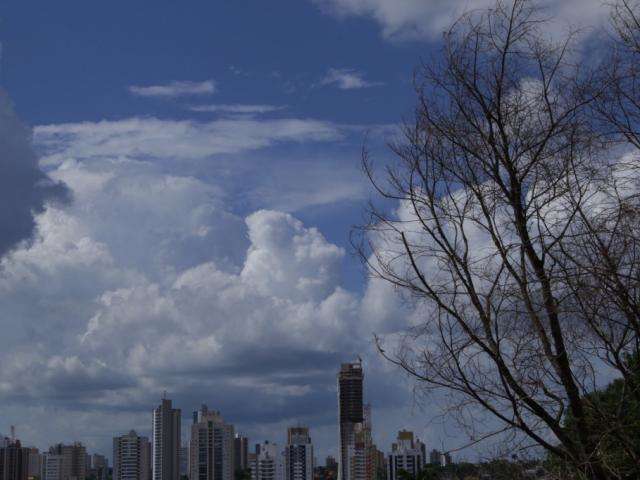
<point x="252" y="464"/>
<point x="379" y="464"/>
<point x="51" y="467"/>
<point x="331" y="463"/>
<point x="269" y="462"/>
<point x="98" y="467"/>
<point x="240" y="452"/>
<point x="166" y="442"/>
<point x="34" y="471"/>
<point x="14" y="461"/>
<point x="436" y="457"/>
<point x="350" y="414"/>
<point x="66" y="462"/>
<point x="211" y="447"/>
<point x="131" y="457"/>
<point x="184" y="461"/>
<point x="406" y="455"/>
<point x="298" y="454"/>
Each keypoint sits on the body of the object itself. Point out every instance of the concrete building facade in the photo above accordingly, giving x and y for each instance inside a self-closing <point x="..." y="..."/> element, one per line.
<point x="211" y="452"/>
<point x="66" y="462"/>
<point x="240" y="452"/>
<point x="350" y="414"/>
<point x="165" y="445"/>
<point x="406" y="456"/>
<point x="14" y="461"/>
<point x="131" y="457"/>
<point x="269" y="462"/>
<point x="298" y="454"/>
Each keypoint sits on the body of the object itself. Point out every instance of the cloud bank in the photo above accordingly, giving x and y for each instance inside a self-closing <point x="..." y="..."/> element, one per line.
<point x="161" y="277"/>
<point x="426" y="20"/>
<point x="24" y="187"/>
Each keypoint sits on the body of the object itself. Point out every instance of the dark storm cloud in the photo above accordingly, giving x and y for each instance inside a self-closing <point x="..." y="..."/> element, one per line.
<point x="24" y="188"/>
<point x="270" y="360"/>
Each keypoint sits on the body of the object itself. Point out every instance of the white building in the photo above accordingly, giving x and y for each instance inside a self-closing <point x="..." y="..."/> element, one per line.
<point x="131" y="457"/>
<point x="406" y="455"/>
<point x="51" y="467"/>
<point x="252" y="464"/>
<point x="269" y="462"/>
<point x="65" y="462"/>
<point x="298" y="455"/>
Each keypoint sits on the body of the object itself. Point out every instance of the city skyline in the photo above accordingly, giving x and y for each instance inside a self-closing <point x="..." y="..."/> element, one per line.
<point x="202" y="426"/>
<point x="193" y="208"/>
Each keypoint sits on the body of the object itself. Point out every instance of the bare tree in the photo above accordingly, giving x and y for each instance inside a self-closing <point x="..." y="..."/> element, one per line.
<point x="517" y="236"/>
<point x="618" y="105"/>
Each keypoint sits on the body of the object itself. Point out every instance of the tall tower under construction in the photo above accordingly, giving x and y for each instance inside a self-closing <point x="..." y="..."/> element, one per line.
<point x="351" y="413"/>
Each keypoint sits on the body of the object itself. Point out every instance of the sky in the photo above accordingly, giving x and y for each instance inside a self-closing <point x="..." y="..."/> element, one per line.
<point x="180" y="180"/>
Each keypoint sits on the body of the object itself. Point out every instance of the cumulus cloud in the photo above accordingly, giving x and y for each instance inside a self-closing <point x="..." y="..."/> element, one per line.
<point x="174" y="89"/>
<point x="420" y="19"/>
<point x="152" y="280"/>
<point x="159" y="277"/>
<point x="242" y="332"/>
<point x="24" y="187"/>
<point x="347" y="79"/>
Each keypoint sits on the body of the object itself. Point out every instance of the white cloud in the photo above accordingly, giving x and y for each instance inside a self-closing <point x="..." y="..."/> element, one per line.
<point x="287" y="259"/>
<point x="147" y="282"/>
<point x="347" y="79"/>
<point x="152" y="279"/>
<point x="239" y="108"/>
<point x="428" y="19"/>
<point x="175" y="89"/>
<point x="307" y="176"/>
<point x="152" y="137"/>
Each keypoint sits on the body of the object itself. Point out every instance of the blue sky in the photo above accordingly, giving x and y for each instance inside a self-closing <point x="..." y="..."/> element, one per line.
<point x="74" y="60"/>
<point x="203" y="161"/>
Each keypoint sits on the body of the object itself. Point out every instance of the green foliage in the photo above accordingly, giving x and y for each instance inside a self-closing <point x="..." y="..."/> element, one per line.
<point x="242" y="474"/>
<point x="613" y="413"/>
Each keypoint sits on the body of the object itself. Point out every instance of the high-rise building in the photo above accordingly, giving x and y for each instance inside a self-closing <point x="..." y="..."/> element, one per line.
<point x="51" y="467"/>
<point x="252" y="465"/>
<point x="98" y="466"/>
<point x="184" y="461"/>
<point x="34" y="470"/>
<point x="66" y="462"/>
<point x="211" y="447"/>
<point x="240" y="452"/>
<point x="405" y="456"/>
<point x="379" y="464"/>
<point x="298" y="454"/>
<point x="14" y="461"/>
<point x="360" y="467"/>
<point x="350" y="413"/>
<point x="131" y="457"/>
<point x="269" y="462"/>
<point x="166" y="442"/>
